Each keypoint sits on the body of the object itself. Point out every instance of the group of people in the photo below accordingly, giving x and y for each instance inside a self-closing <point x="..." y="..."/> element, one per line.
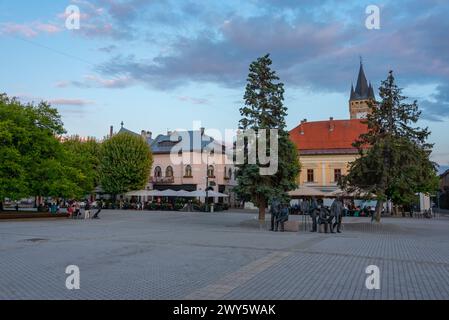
<point x="74" y="210"/>
<point x="330" y="218"/>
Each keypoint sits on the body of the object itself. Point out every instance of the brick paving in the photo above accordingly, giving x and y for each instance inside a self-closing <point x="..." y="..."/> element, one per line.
<point x="164" y="255"/>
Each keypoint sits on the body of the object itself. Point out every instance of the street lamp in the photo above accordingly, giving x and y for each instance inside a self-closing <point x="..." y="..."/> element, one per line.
<point x="207" y="183"/>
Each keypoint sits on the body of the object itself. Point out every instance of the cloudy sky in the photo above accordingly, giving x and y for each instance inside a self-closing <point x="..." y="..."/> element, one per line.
<point x="162" y="64"/>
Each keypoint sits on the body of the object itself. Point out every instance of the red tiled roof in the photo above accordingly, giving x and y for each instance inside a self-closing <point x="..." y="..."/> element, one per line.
<point x="325" y="135"/>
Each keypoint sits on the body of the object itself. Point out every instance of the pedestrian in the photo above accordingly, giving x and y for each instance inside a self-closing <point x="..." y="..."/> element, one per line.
<point x="53" y="208"/>
<point x="99" y="208"/>
<point x="87" y="211"/>
<point x="337" y="214"/>
<point x="70" y="211"/>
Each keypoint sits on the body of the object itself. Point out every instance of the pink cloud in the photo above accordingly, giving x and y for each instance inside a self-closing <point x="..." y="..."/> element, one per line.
<point x="29" y="30"/>
<point x="21" y="29"/>
<point x="70" y="102"/>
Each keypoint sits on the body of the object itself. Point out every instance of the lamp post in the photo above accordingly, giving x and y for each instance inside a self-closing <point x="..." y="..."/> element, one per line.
<point x="207" y="183"/>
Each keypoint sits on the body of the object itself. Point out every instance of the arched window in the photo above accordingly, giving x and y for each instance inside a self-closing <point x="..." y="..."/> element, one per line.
<point x="169" y="172"/>
<point x="211" y="172"/>
<point x="188" y="171"/>
<point x="158" y="172"/>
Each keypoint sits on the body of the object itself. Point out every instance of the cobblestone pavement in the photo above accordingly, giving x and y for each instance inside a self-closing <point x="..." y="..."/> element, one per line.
<point x="164" y="255"/>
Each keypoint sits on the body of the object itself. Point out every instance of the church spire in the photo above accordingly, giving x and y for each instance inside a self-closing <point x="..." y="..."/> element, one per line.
<point x="361" y="89"/>
<point x="352" y="92"/>
<point x="361" y="95"/>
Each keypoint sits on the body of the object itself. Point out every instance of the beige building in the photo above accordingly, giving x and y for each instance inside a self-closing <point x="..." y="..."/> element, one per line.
<point x="325" y="147"/>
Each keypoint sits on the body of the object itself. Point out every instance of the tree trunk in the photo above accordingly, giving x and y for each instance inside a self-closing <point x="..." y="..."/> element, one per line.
<point x="379" y="207"/>
<point x="1" y="206"/>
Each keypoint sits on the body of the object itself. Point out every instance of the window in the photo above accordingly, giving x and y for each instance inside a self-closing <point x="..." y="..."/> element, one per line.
<point x="310" y="176"/>
<point x="158" y="172"/>
<point x="169" y="172"/>
<point x="337" y="175"/>
<point x="188" y="171"/>
<point x="211" y="172"/>
<point x="230" y="173"/>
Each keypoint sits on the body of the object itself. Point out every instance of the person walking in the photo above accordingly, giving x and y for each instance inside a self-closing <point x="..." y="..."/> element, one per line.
<point x="70" y="211"/>
<point x="87" y="211"/>
<point x="99" y="208"/>
<point x="77" y="211"/>
<point x="337" y="214"/>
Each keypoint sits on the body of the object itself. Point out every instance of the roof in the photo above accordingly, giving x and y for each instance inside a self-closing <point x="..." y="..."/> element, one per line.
<point x="363" y="90"/>
<point x="124" y="130"/>
<point x="187" y="140"/>
<point x="327" y="137"/>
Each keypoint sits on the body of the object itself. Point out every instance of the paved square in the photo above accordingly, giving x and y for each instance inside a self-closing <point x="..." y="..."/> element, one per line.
<point x="166" y="255"/>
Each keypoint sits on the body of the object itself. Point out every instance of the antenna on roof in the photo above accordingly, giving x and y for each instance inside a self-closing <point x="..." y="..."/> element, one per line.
<point x="361" y="60"/>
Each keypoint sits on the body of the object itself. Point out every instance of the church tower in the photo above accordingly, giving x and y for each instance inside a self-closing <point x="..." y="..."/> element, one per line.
<point x="363" y="93"/>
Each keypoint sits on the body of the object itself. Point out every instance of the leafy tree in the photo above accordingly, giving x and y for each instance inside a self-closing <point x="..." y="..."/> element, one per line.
<point x="264" y="109"/>
<point x="394" y="154"/>
<point x="125" y="163"/>
<point x="85" y="157"/>
<point x="32" y="159"/>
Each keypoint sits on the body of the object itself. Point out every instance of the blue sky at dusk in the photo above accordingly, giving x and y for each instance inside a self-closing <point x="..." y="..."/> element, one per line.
<point x="161" y="64"/>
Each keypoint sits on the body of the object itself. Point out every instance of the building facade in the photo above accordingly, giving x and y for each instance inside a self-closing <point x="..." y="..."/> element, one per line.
<point x="190" y="161"/>
<point x="325" y="147"/>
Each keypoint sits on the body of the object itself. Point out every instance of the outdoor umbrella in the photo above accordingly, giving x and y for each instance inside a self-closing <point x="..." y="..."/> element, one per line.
<point x="140" y="193"/>
<point x="305" y="191"/>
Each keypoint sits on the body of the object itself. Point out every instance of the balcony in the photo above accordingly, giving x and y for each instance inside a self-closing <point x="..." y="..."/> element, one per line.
<point x="162" y="180"/>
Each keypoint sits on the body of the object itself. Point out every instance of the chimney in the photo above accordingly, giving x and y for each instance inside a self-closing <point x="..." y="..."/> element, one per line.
<point x="150" y="135"/>
<point x="143" y="133"/>
<point x="111" y="132"/>
<point x="302" y="127"/>
<point x="331" y="124"/>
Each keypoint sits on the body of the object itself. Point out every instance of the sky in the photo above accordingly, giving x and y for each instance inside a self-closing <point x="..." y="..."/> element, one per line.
<point x="160" y="65"/>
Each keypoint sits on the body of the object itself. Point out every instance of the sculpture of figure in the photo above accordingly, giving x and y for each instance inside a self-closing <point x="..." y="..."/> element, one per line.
<point x="282" y="217"/>
<point x="275" y="209"/>
<point x="337" y="214"/>
<point x="313" y="209"/>
<point x="324" y="216"/>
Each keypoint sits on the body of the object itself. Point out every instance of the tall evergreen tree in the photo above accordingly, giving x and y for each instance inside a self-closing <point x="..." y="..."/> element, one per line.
<point x="394" y="159"/>
<point x="264" y="109"/>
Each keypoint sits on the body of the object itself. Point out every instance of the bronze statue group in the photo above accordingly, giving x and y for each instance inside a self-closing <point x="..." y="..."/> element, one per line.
<point x="329" y="219"/>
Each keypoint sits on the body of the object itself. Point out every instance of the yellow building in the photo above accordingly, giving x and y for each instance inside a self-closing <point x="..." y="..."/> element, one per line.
<point x="325" y="147"/>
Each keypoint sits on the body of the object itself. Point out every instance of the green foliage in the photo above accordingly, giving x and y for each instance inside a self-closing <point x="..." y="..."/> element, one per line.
<point x="33" y="161"/>
<point x="394" y="162"/>
<point x="125" y="164"/>
<point x="85" y="157"/>
<point x="264" y="109"/>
